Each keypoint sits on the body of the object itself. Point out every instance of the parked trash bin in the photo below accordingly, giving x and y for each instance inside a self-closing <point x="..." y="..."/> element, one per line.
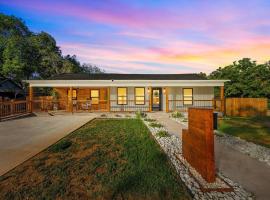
<point x="215" y="120"/>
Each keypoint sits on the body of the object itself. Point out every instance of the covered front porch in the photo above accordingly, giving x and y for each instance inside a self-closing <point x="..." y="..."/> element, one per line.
<point x="126" y="99"/>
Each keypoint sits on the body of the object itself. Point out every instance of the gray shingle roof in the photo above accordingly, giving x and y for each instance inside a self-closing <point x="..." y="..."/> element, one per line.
<point x="106" y="76"/>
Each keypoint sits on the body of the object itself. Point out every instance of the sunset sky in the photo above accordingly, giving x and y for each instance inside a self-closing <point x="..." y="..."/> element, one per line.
<point x="152" y="36"/>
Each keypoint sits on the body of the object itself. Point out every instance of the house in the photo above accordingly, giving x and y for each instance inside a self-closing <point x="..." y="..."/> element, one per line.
<point x="130" y="92"/>
<point x="10" y="89"/>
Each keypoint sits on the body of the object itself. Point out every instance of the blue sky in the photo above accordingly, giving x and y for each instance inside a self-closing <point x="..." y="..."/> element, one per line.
<point x="152" y="36"/>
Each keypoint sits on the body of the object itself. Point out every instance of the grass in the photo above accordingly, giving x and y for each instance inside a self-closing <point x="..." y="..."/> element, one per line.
<point x="105" y="159"/>
<point x="254" y="129"/>
<point x="155" y="125"/>
<point x="177" y="114"/>
<point x="163" y="134"/>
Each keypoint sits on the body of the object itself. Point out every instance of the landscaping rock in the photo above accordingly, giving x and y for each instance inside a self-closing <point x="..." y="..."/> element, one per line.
<point x="172" y="146"/>
<point x="253" y="150"/>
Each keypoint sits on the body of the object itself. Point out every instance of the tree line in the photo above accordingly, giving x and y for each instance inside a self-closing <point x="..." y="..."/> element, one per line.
<point x="25" y="54"/>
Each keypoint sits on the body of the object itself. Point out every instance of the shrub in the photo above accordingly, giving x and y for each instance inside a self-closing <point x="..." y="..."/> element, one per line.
<point x="103" y="115"/>
<point x="117" y="115"/>
<point x="155" y="125"/>
<point x="177" y="114"/>
<point x="163" y="134"/>
<point x="140" y="114"/>
<point x="149" y="120"/>
<point x="185" y="120"/>
<point x="61" y="146"/>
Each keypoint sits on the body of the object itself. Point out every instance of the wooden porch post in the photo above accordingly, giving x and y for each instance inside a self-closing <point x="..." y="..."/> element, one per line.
<point x="167" y="99"/>
<point x="150" y="98"/>
<point x="30" y="99"/>
<point x="70" y="103"/>
<point x="108" y="99"/>
<point x="222" y="99"/>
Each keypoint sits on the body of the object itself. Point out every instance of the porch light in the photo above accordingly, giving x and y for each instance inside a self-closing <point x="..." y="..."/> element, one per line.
<point x="148" y="90"/>
<point x="164" y="90"/>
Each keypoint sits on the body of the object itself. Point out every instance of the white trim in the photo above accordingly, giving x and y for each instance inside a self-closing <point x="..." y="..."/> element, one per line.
<point x="124" y="83"/>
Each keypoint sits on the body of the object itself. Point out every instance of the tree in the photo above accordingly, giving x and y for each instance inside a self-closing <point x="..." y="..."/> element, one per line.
<point x="19" y="58"/>
<point x="50" y="59"/>
<point x="24" y="54"/>
<point x="247" y="79"/>
<point x="10" y="26"/>
<point x="71" y="65"/>
<point x="92" y="69"/>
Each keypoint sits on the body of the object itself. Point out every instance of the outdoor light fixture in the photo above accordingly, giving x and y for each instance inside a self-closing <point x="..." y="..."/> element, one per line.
<point x="148" y="90"/>
<point x="164" y="90"/>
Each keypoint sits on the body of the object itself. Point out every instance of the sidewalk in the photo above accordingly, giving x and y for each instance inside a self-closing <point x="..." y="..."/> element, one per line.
<point x="252" y="174"/>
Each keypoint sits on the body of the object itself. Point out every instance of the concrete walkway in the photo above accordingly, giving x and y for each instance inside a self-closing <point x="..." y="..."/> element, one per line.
<point x="250" y="173"/>
<point x="21" y="139"/>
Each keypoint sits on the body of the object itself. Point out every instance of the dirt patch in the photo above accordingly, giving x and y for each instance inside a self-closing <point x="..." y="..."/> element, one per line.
<point x="85" y="152"/>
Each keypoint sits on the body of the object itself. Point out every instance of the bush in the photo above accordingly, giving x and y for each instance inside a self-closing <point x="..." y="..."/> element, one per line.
<point x="149" y="120"/>
<point x="155" y="125"/>
<point x="177" y="114"/>
<point x="61" y="146"/>
<point x="185" y="120"/>
<point x="140" y="114"/>
<point x="163" y="134"/>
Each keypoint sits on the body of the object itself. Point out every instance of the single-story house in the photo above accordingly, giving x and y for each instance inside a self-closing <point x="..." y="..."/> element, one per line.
<point x="9" y="89"/>
<point x="130" y="92"/>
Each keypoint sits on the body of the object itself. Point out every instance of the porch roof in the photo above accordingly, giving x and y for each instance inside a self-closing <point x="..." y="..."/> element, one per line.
<point x="118" y="80"/>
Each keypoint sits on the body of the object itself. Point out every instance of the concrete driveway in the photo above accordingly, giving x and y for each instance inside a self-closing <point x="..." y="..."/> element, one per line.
<point x="21" y="139"/>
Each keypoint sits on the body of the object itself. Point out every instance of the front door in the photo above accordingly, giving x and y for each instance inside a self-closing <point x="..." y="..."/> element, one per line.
<point x="156" y="99"/>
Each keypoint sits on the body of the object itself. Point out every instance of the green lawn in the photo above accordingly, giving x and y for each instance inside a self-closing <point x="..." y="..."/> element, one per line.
<point x="254" y="129"/>
<point x="105" y="159"/>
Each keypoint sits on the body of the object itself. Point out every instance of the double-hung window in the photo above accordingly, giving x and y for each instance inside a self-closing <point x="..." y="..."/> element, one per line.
<point x="139" y="96"/>
<point x="122" y="96"/>
<point x="188" y="96"/>
<point x="95" y="96"/>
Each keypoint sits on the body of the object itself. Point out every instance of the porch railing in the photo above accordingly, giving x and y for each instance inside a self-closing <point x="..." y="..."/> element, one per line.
<point x="12" y="107"/>
<point x="9" y="108"/>
<point x="88" y="105"/>
<point x="130" y="106"/>
<point x="183" y="105"/>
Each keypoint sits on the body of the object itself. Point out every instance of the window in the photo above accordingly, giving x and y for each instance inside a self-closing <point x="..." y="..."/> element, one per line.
<point x="95" y="96"/>
<point x="121" y="96"/>
<point x="139" y="96"/>
<point x="188" y="96"/>
<point x="74" y="94"/>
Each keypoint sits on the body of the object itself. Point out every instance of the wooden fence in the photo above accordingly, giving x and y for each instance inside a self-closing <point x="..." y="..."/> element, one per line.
<point x="12" y="108"/>
<point x="246" y="106"/>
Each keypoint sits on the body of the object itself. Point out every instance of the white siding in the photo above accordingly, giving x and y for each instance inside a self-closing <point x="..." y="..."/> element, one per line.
<point x="199" y="93"/>
<point x="175" y="93"/>
<point x="130" y="100"/>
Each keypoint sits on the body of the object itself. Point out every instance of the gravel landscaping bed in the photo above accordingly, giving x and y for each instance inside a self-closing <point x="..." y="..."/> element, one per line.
<point x="172" y="146"/>
<point x="253" y="150"/>
<point x="180" y="121"/>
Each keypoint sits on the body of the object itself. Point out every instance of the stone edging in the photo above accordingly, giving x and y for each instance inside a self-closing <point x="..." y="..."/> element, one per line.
<point x="172" y="146"/>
